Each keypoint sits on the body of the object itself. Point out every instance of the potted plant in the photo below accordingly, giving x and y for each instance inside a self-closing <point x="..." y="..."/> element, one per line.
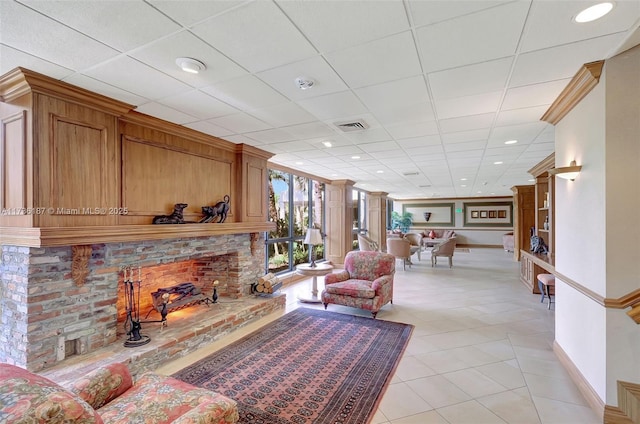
<point x="402" y="221"/>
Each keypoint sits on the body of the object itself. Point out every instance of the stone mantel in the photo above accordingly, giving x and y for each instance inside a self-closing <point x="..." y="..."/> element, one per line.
<point x="71" y="236"/>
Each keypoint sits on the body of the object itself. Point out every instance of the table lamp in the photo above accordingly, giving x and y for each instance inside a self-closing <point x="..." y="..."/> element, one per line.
<point x="312" y="238"/>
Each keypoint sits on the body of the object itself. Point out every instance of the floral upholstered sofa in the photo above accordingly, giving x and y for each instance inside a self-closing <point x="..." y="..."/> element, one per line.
<point x="108" y="395"/>
<point x="366" y="281"/>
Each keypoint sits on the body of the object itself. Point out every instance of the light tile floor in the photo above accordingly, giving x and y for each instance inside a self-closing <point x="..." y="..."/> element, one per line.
<point x="481" y="350"/>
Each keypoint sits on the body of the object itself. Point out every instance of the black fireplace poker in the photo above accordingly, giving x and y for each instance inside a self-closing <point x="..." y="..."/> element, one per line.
<point x="132" y="325"/>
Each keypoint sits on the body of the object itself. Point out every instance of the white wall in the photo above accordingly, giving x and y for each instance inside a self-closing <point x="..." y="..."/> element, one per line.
<point x="597" y="233"/>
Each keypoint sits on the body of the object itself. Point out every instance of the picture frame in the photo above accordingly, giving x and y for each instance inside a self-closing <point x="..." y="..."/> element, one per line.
<point x="488" y="214"/>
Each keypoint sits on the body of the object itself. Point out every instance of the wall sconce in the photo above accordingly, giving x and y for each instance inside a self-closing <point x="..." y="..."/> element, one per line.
<point x="312" y="238"/>
<point x="567" y="172"/>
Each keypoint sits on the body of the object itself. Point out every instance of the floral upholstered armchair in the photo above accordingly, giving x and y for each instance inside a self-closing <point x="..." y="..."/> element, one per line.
<point x="108" y="395"/>
<point x="366" y="281"/>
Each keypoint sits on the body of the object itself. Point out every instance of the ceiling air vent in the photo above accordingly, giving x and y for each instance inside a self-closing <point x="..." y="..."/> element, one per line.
<point x="410" y="174"/>
<point x="358" y="125"/>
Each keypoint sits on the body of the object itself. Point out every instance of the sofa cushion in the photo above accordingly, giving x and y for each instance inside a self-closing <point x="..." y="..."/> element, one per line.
<point x="101" y="386"/>
<point x="353" y="287"/>
<point x="30" y="398"/>
<point x="159" y="399"/>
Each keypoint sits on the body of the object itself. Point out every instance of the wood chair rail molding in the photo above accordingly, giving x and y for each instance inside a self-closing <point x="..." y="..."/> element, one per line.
<point x="72" y="236"/>
<point x="580" y="85"/>
<point x="629" y="300"/>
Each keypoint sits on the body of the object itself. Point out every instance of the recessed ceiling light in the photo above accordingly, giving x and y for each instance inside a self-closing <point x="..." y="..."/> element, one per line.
<point x="463" y="185"/>
<point x="355" y="157"/>
<point x="190" y="65"/>
<point x="594" y="12"/>
<point x="498" y="162"/>
<point x="531" y="180"/>
<point x="380" y="172"/>
<point x="463" y="179"/>
<point x="511" y="142"/>
<point x="327" y="143"/>
<point x="299" y="163"/>
<point x="304" y="83"/>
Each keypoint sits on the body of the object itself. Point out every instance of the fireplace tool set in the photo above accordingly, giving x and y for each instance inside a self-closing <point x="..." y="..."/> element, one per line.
<point x="132" y="298"/>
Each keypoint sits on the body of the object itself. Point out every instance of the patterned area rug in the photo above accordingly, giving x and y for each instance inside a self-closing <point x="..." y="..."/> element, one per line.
<point x="309" y="366"/>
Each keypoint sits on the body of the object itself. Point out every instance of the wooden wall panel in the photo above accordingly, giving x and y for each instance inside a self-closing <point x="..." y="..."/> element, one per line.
<point x="13" y="166"/>
<point x="76" y="167"/>
<point x="155" y="177"/>
<point x="256" y="185"/>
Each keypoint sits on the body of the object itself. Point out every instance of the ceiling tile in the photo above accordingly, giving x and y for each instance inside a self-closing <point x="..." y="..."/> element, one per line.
<point x="534" y="95"/>
<point x="245" y="93"/>
<point x="430" y="12"/>
<point x="461" y="136"/>
<point x="240" y="123"/>
<point x="407" y="114"/>
<point x="467" y="123"/>
<point x="257" y="36"/>
<point x="469" y="80"/>
<point x="520" y="116"/>
<point x="274" y="135"/>
<point x="311" y="130"/>
<point x="122" y="25"/>
<point x="468" y="105"/>
<point x="165" y="112"/>
<point x="407" y="130"/>
<point x="534" y="67"/>
<point x="368" y="136"/>
<point x="198" y="104"/>
<point x="209" y="128"/>
<point x="548" y="23"/>
<point x="394" y="94"/>
<point x="17" y="24"/>
<point x="501" y="29"/>
<point x="333" y="25"/>
<point x="188" y="12"/>
<point x="283" y="114"/>
<point x="379" y="61"/>
<point x="105" y="89"/>
<point x="136" y="77"/>
<point x="407" y="143"/>
<point x="524" y="133"/>
<point x="12" y="58"/>
<point x="332" y="106"/>
<point x="316" y="69"/>
<point x="163" y="53"/>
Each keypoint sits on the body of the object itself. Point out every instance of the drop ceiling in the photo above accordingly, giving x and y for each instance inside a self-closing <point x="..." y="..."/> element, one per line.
<point x="440" y="85"/>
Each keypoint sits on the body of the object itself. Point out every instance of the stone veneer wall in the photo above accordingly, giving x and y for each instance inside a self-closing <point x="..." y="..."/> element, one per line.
<point x="42" y="308"/>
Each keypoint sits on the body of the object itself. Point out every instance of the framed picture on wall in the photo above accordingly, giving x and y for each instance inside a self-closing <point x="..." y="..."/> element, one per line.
<point x="488" y="214"/>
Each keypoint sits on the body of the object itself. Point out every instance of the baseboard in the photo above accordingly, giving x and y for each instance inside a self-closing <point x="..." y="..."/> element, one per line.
<point x="615" y="415"/>
<point x="585" y="388"/>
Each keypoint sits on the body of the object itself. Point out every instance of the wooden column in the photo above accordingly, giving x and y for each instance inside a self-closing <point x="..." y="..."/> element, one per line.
<point x="339" y="206"/>
<point x="377" y="218"/>
<point x="524" y="217"/>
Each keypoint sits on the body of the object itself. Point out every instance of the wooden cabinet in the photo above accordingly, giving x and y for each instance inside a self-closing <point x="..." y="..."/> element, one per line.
<point x="524" y="217"/>
<point x="544" y="200"/>
<point x="533" y="264"/>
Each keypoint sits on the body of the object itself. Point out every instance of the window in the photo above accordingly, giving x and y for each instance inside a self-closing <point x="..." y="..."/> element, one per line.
<point x="359" y="215"/>
<point x="295" y="203"/>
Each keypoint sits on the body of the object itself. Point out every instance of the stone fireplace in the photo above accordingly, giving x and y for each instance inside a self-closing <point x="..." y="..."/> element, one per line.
<point x="49" y="315"/>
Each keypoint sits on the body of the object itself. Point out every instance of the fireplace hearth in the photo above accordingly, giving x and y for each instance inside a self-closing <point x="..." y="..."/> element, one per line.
<point x="47" y="311"/>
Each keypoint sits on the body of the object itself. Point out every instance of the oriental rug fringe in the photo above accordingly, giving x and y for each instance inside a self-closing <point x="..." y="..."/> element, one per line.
<point x="307" y="367"/>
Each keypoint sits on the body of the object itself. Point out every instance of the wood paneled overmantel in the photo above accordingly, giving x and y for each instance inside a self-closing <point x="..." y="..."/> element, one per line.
<point x="72" y="236"/>
<point x="66" y="151"/>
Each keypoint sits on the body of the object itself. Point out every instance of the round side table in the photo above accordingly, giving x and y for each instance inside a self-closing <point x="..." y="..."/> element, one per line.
<point x="308" y="271"/>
